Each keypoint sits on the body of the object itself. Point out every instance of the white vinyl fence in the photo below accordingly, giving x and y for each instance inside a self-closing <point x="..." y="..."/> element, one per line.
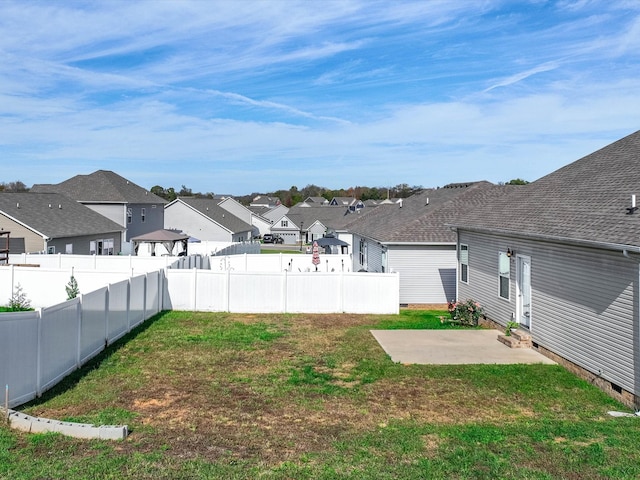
<point x="280" y="262"/>
<point x="282" y="292"/>
<point x="109" y="263"/>
<point x="39" y="348"/>
<point x="210" y="247"/>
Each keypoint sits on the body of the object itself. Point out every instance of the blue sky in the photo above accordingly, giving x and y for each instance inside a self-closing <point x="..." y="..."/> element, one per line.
<point x="253" y="96"/>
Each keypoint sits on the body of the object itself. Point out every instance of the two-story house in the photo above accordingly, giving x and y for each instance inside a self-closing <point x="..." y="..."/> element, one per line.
<point x="132" y="207"/>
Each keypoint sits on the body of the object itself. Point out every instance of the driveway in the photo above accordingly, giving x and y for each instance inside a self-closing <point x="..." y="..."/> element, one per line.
<point x="448" y="347"/>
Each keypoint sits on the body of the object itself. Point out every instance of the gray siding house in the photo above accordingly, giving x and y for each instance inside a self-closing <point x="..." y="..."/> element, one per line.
<point x="53" y="223"/>
<point x="205" y="219"/>
<point x="136" y="209"/>
<point x="561" y="256"/>
<point x="411" y="237"/>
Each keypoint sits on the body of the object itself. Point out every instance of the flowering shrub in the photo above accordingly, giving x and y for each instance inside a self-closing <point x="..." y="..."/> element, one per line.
<point x="465" y="313"/>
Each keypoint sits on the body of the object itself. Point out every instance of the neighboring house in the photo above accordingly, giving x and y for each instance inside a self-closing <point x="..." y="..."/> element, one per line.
<point x="352" y="203"/>
<point x="275" y="213"/>
<point x="259" y="224"/>
<point x="411" y="237"/>
<point x="259" y="221"/>
<point x="53" y="223"/>
<point x="136" y="209"/>
<point x="342" y="201"/>
<point x="205" y="219"/>
<point x="287" y="229"/>
<point x="312" y="221"/>
<point x="561" y="256"/>
<point x="317" y="200"/>
<point x="264" y="201"/>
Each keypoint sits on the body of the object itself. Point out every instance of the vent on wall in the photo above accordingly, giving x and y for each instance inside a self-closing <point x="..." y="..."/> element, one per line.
<point x="633" y="206"/>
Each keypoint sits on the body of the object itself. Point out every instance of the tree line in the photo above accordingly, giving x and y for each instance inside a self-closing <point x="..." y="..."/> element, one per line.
<point x="287" y="197"/>
<point x="295" y="195"/>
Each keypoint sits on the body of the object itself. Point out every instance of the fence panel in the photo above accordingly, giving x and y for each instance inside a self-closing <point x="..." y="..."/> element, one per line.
<point x="94" y="323"/>
<point x="137" y="299"/>
<point x="58" y="343"/>
<point x="212" y="291"/>
<point x="153" y="294"/>
<point x="261" y="292"/>
<point x="19" y="355"/>
<point x="118" y="322"/>
<point x="179" y="290"/>
<point x="256" y="292"/>
<point x="372" y="293"/>
<point x="314" y="293"/>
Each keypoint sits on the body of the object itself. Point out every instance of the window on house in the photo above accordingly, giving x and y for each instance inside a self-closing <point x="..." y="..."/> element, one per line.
<point x="68" y="248"/>
<point x="101" y="247"/>
<point x="363" y="252"/>
<point x="107" y="246"/>
<point x="284" y="223"/>
<point x="504" y="268"/>
<point x="129" y="215"/>
<point x="143" y="214"/>
<point x="464" y="263"/>
<point x="51" y="249"/>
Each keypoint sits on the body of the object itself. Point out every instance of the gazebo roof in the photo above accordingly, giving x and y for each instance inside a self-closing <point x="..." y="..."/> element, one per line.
<point x="161" y="235"/>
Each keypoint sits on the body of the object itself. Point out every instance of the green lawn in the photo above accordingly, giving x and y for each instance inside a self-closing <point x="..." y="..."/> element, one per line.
<point x="314" y="397"/>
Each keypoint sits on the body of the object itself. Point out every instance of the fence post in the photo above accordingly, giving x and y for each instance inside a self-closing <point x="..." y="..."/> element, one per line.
<point x="106" y="315"/>
<point x="227" y="290"/>
<point x="194" y="298"/>
<point x="342" y="292"/>
<point x="129" y="305"/>
<point x="285" y="282"/>
<point x="79" y="318"/>
<point x="144" y="298"/>
<point x="39" y="356"/>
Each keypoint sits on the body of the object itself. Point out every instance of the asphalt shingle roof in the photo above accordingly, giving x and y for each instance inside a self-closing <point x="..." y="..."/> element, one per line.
<point x="424" y="217"/>
<point x="210" y="208"/>
<point x="55" y="215"/>
<point x="101" y="186"/>
<point x="334" y="217"/>
<point x="586" y="200"/>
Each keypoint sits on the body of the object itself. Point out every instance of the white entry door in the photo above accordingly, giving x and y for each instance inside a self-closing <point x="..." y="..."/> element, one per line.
<point x="524" y="290"/>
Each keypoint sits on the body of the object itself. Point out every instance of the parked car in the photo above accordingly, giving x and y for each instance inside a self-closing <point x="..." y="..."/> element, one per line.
<point x="270" y="238"/>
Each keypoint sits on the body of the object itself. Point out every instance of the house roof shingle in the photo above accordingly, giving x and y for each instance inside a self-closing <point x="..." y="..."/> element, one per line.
<point x="101" y="186"/>
<point x="55" y="215"/>
<point x="334" y="217"/>
<point x="585" y="200"/>
<point x="210" y="208"/>
<point x="423" y="217"/>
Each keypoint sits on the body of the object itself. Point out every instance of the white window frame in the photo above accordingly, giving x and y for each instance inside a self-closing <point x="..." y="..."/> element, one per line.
<point x="143" y="214"/>
<point x="464" y="263"/>
<point x="363" y="253"/>
<point x="102" y="246"/>
<point x="504" y="273"/>
<point x="129" y="215"/>
<point x="284" y="223"/>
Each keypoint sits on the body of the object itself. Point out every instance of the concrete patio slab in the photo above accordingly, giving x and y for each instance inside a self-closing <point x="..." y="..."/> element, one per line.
<point x="449" y="347"/>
